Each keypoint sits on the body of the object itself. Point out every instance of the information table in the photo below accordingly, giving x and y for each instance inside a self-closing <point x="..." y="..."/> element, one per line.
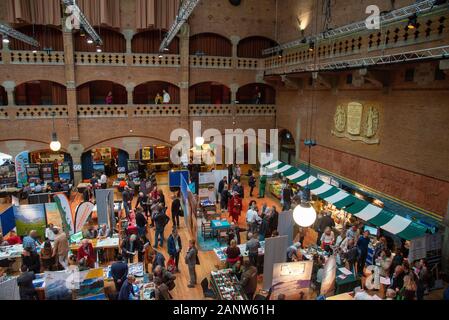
<point x="11" y="252"/>
<point x="226" y="285"/>
<point x="220" y="252"/>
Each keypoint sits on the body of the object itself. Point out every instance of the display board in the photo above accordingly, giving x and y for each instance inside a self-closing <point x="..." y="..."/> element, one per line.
<point x="30" y="217"/>
<point x="82" y="213"/>
<point x="174" y="178"/>
<point x="9" y="290"/>
<point x="58" y="284"/>
<point x="275" y="252"/>
<point x="286" y="224"/>
<point x="7" y="220"/>
<point x="91" y="283"/>
<point x="105" y="206"/>
<point x="426" y="247"/>
<point x="219" y="175"/>
<point x="65" y="211"/>
<point x="206" y="178"/>
<point x="291" y="279"/>
<point x="53" y="214"/>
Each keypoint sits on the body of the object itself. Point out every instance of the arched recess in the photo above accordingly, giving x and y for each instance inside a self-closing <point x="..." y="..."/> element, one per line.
<point x="145" y="93"/>
<point x="209" y="93"/>
<point x="40" y="92"/>
<point x="3" y="97"/>
<point x="103" y="159"/>
<point x="252" y="47"/>
<point x="210" y="44"/>
<point x="95" y="92"/>
<point x="149" y="41"/>
<point x="113" y="41"/>
<point x="47" y="36"/>
<point x="287" y="149"/>
<point x="256" y="93"/>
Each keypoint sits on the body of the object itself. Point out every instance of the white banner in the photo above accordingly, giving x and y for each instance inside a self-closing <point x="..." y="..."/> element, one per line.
<point x="83" y="211"/>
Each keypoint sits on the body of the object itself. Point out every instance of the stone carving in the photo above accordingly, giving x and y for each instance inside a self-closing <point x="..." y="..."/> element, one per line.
<point x="340" y="119"/>
<point x="357" y="123"/>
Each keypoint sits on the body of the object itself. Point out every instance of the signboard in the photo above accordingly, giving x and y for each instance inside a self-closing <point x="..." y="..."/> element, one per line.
<point x="21" y="163"/>
<point x="65" y="211"/>
<point x="30" y="217"/>
<point x="292" y="279"/>
<point x="174" y="178"/>
<point x="83" y="212"/>
<point x="207" y="178"/>
<point x="53" y="214"/>
<point x="77" y="167"/>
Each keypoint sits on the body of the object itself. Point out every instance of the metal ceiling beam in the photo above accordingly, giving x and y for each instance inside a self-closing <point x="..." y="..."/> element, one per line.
<point x="393" y="16"/>
<point x="184" y="13"/>
<point x="83" y="21"/>
<point x="10" y="32"/>
<point x="410" y="56"/>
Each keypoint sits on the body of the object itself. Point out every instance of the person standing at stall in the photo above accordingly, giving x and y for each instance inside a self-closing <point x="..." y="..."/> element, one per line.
<point x="252" y="184"/>
<point x="224" y="198"/>
<point x="362" y="247"/>
<point x="262" y="186"/>
<point x="174" y="247"/>
<point x="191" y="259"/>
<point x="249" y="279"/>
<point x="142" y="201"/>
<point x="119" y="272"/>
<point x="176" y="210"/>
<point x="86" y="254"/>
<point x="61" y="248"/>
<point x="103" y="181"/>
<point x="127" y="199"/>
<point x="235" y="207"/>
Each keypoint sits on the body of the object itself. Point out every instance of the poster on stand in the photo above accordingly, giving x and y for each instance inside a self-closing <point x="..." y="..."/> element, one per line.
<point x="292" y="279"/>
<point x="22" y="161"/>
<point x="53" y="214"/>
<point x="105" y="206"/>
<point x="30" y="217"/>
<point x="65" y="211"/>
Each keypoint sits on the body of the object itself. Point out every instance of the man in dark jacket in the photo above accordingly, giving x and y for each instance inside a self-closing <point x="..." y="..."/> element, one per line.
<point x="174" y="246"/>
<point x="252" y="184"/>
<point x="287" y="195"/>
<point x="249" y="279"/>
<point x="127" y="199"/>
<point x="130" y="246"/>
<point x="141" y="222"/>
<point x="160" y="220"/>
<point x="176" y="210"/>
<point x="31" y="260"/>
<point x="156" y="259"/>
<point x="142" y="201"/>
<point x="362" y="246"/>
<point x="25" y="283"/>
<point x="127" y="288"/>
<point x="221" y="184"/>
<point x="119" y="272"/>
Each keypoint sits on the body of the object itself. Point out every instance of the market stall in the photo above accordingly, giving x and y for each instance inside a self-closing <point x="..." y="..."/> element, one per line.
<point x="226" y="285"/>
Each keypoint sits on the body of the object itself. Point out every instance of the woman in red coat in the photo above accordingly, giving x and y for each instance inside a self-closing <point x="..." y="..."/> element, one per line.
<point x="235" y="207"/>
<point x="86" y="254"/>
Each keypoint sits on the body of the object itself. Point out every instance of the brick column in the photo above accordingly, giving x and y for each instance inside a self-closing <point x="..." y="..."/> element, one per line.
<point x="76" y="150"/>
<point x="6" y="53"/>
<point x="185" y="75"/>
<point x="234" y="87"/>
<point x="70" y="78"/>
<point x="129" y="34"/>
<point x="130" y="90"/>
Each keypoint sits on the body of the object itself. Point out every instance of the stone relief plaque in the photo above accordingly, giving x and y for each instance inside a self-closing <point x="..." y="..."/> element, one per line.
<point x="354" y="118"/>
<point x="357" y="122"/>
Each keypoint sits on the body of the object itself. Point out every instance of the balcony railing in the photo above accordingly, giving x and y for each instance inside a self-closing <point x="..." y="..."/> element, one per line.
<point x="102" y="111"/>
<point x="102" y="58"/>
<point x="156" y="110"/>
<point x="4" y="113"/>
<point x="210" y="110"/>
<point x="41" y="112"/>
<point x="256" y="110"/>
<point x="153" y="60"/>
<point x="211" y="62"/>
<point x="250" y="63"/>
<point x="40" y="57"/>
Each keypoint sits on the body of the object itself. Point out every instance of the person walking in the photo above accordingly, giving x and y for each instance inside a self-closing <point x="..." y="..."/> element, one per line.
<point x="174" y="247"/>
<point x="160" y="220"/>
<point x="127" y="199"/>
<point x="61" y="247"/>
<point x="262" y="185"/>
<point x="235" y="207"/>
<point x="176" y="210"/>
<point x="191" y="259"/>
<point x="252" y="184"/>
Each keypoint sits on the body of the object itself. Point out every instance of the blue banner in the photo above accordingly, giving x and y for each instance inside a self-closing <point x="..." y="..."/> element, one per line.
<point x="21" y="162"/>
<point x="7" y="220"/>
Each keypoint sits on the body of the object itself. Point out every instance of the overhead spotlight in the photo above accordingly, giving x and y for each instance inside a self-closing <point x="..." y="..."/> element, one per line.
<point x="5" y="39"/>
<point x="166" y="49"/>
<point x="90" y="41"/>
<point x="34" y="51"/>
<point x="311" y="46"/>
<point x="82" y="33"/>
<point x="160" y="56"/>
<point x="412" y="22"/>
<point x="99" y="49"/>
<point x="280" y="54"/>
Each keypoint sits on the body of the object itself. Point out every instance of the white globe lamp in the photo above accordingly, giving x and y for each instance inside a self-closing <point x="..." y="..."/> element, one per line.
<point x="199" y="141"/>
<point x="304" y="215"/>
<point x="55" y="145"/>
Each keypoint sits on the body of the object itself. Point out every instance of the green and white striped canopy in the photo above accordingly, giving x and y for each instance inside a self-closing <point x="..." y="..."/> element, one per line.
<point x="395" y="224"/>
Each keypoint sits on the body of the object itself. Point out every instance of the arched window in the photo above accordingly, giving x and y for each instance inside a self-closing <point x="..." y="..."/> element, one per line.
<point x="146" y="92"/>
<point x="149" y="42"/>
<point x="210" y="44"/>
<point x="48" y="37"/>
<point x="3" y="97"/>
<point x="209" y="93"/>
<point x="40" y="92"/>
<point x="252" y="47"/>
<point x="95" y="92"/>
<point x="113" y="41"/>
<point x="256" y="93"/>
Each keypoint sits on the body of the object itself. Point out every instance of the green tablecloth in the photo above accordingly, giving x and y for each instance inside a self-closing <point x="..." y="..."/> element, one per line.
<point x="345" y="285"/>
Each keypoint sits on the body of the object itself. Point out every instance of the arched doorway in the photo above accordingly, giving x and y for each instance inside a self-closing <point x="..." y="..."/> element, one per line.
<point x="253" y="47"/>
<point x="210" y="44"/>
<point x="256" y="93"/>
<point x="40" y="92"/>
<point x="287" y="149"/>
<point x="109" y="160"/>
<point x="146" y="93"/>
<point x="209" y="93"/>
<point x="48" y="37"/>
<point x="95" y="92"/>
<point x="149" y="41"/>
